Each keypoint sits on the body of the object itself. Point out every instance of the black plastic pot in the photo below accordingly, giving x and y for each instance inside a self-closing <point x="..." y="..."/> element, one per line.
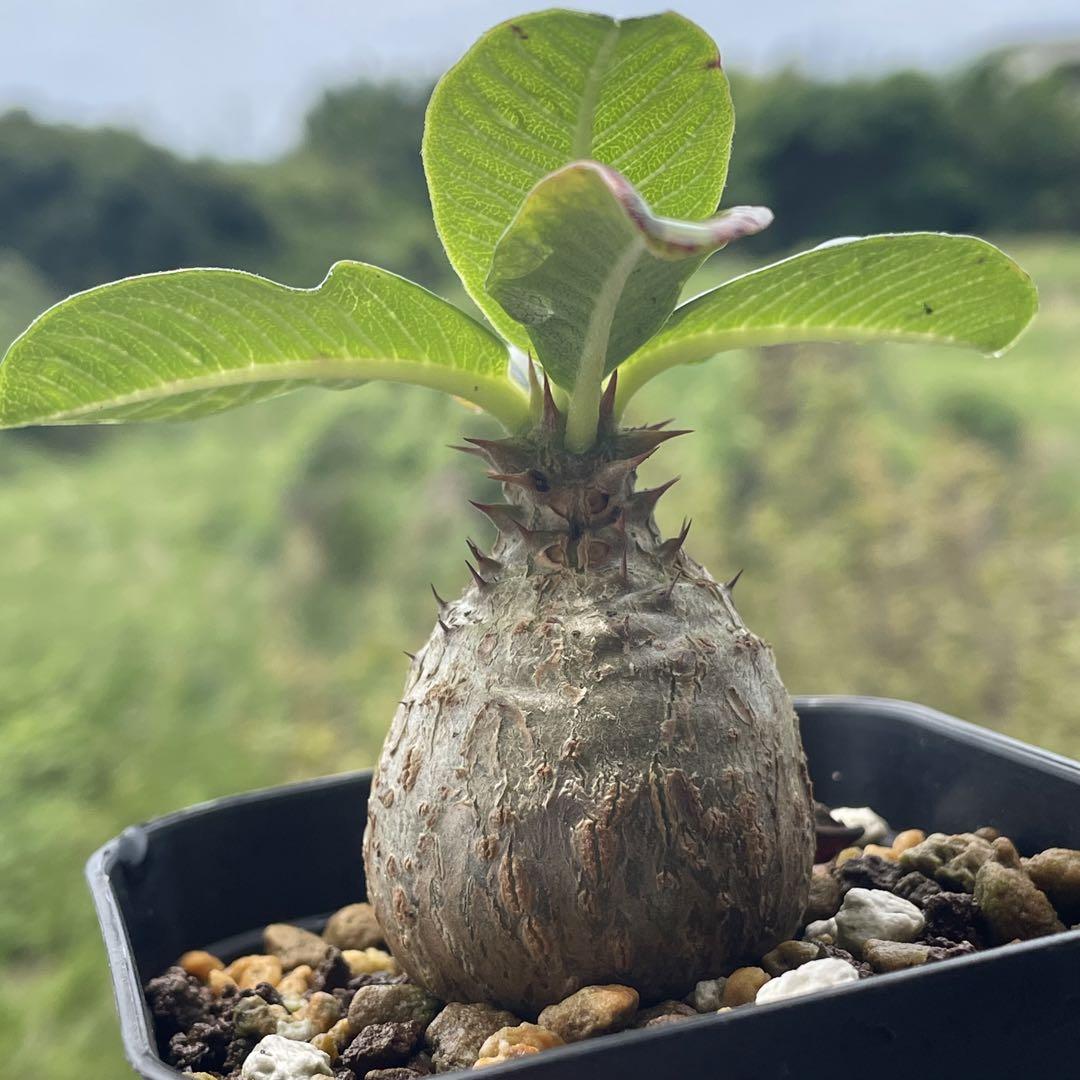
<point x="213" y="875"/>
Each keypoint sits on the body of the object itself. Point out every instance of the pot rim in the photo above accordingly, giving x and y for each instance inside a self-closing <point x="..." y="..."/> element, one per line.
<point x="137" y="1027"/>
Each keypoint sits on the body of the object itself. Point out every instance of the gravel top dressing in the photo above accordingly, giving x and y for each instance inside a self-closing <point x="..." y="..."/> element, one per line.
<point x="338" y="1005"/>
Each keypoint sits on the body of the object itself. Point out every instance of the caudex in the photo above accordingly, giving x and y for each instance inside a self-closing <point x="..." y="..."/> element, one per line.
<point x="595" y="774"/>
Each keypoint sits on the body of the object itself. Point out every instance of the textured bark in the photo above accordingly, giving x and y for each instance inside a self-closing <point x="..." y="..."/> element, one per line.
<point x="595" y="774"/>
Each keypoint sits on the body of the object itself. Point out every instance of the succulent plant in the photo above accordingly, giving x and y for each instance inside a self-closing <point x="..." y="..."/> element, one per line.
<point x="595" y="773"/>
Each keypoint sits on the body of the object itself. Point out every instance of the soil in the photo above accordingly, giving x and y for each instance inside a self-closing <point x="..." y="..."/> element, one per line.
<point x="338" y="1005"/>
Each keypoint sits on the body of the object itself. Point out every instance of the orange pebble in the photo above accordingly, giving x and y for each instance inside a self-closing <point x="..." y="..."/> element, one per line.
<point x="200" y="964"/>
<point x="908" y="839"/>
<point x="249" y="971"/>
<point x="881" y="852"/>
<point x="219" y="982"/>
<point x="848" y="853"/>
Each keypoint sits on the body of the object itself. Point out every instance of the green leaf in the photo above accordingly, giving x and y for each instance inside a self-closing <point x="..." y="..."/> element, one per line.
<point x="908" y="287"/>
<point x="592" y="274"/>
<point x="193" y="342"/>
<point x="646" y="96"/>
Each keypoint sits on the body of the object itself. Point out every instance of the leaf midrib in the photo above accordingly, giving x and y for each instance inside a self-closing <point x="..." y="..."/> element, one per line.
<point x="582" y="417"/>
<point x="582" y="143"/>
<point x="496" y="395"/>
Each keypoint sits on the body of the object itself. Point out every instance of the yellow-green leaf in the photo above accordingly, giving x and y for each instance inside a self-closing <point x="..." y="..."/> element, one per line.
<point x="646" y="96"/>
<point x="193" y="342"/>
<point x="908" y="287"/>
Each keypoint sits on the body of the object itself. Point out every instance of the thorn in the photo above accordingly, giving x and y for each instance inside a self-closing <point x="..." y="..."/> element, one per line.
<point x="481" y="583"/>
<point x="502" y="515"/>
<point x="474" y="450"/>
<point x="640" y="459"/>
<point x="637" y="440"/>
<point x="410" y="655"/>
<point x="405" y="703"/>
<point x="659" y="425"/>
<point x="522" y="479"/>
<point x="670" y="548"/>
<point x="485" y="562"/>
<point x="607" y="405"/>
<point x="445" y="628"/>
<point x="644" y="501"/>
<point x="504" y="454"/>
<point x="438" y="599"/>
<point x="730" y="585"/>
<point x="552" y="416"/>
<point x="671" y="588"/>
<point x="615" y="472"/>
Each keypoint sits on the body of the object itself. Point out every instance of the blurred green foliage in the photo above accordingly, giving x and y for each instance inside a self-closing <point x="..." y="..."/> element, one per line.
<point x="195" y="610"/>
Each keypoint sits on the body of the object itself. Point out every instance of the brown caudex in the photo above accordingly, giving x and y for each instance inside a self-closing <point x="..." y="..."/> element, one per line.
<point x="595" y="774"/>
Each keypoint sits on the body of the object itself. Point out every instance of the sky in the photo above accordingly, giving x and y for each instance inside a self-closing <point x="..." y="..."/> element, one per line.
<point x="234" y="77"/>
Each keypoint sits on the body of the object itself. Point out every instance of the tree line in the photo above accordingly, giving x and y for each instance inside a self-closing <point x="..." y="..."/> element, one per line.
<point x="993" y="148"/>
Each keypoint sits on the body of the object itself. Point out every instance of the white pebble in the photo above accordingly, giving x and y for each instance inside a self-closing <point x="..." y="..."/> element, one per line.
<point x="875" y="828"/>
<point x="875" y="913"/>
<point x="277" y="1058"/>
<point x="807" y="979"/>
<point x="297" y="1030"/>
<point x="821" y="928"/>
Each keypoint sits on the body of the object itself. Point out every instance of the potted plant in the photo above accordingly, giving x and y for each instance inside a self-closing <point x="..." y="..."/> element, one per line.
<point x="595" y="774"/>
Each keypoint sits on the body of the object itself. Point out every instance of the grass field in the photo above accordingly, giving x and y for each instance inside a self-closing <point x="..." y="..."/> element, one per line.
<point x="190" y="611"/>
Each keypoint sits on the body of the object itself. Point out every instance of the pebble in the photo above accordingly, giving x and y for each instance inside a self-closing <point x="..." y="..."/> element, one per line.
<point x="333" y="973"/>
<point x="808" y="979"/>
<point x="177" y="999"/>
<point x="1056" y="871"/>
<point x="1012" y="906"/>
<point x="593" y="1010"/>
<point x="847" y="853"/>
<point x="457" y="1033"/>
<point x="301" y="1030"/>
<point x="868" y="871"/>
<point x="297" y="982"/>
<point x="380" y="1045"/>
<point x="218" y="983"/>
<point x="789" y="955"/>
<point x="1006" y="854"/>
<point x="825" y="896"/>
<point x="335" y="1040"/>
<point x="874" y="913"/>
<point x="276" y="1058"/>
<point x="707" y="995"/>
<point x="203" y="1046"/>
<point x="513" y="1042"/>
<point x="916" y="887"/>
<point x="822" y="930"/>
<point x="353" y="927"/>
<point x="400" y="1072"/>
<point x="907" y="839"/>
<point x="952" y="861"/>
<point x="666" y="1011"/>
<point x="955" y="917"/>
<point x="253" y="1017"/>
<point x="200" y="964"/>
<point x="249" y="971"/>
<point x="370" y="960"/>
<point x="323" y="1010"/>
<point x="861" y="966"/>
<point x="294" y="946"/>
<point x="396" y="1003"/>
<point x="886" y="956"/>
<point x="881" y="852"/>
<point x="875" y="828"/>
<point x="742" y="986"/>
